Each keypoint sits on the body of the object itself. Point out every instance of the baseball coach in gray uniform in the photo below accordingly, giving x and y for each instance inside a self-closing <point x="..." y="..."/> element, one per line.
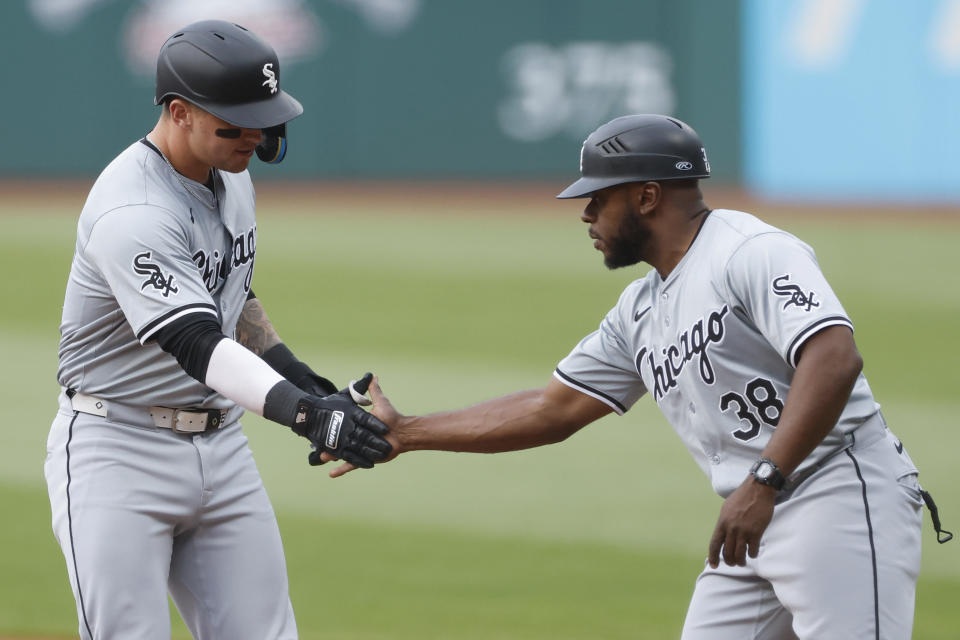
<point x="743" y="345"/>
<point x="152" y="486"/>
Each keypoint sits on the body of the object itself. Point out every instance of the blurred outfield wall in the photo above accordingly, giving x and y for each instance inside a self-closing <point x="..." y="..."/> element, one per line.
<point x="502" y="89"/>
<point x="796" y="99"/>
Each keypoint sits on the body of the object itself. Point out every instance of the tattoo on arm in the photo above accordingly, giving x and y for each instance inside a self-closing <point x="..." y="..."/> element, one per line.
<point x="254" y="330"/>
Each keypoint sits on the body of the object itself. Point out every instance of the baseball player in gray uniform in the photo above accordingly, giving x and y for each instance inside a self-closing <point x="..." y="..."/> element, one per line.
<point x="152" y="486"/>
<point x="741" y="342"/>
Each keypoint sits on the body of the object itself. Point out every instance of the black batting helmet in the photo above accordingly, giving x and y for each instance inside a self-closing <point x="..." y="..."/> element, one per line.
<point x="638" y="148"/>
<point x="225" y="70"/>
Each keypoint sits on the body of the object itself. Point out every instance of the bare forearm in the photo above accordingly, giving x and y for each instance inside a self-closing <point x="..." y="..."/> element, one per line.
<point x="517" y="421"/>
<point x="254" y="330"/>
<point x="504" y="424"/>
<point x="820" y="389"/>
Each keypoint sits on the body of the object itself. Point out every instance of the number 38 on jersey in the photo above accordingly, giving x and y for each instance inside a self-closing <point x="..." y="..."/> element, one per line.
<point x="757" y="404"/>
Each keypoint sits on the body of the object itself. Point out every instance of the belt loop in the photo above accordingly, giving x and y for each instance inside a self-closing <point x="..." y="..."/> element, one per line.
<point x="88" y="404"/>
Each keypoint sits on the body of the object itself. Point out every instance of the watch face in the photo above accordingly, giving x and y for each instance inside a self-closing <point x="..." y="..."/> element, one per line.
<point x="764" y="471"/>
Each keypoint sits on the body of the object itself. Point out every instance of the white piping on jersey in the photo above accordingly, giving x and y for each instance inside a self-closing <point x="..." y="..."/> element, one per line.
<point x="582" y="388"/>
<point x="160" y="325"/>
<point x="803" y="336"/>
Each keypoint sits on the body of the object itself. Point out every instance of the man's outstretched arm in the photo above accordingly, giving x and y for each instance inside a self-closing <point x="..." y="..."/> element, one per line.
<point x="520" y="420"/>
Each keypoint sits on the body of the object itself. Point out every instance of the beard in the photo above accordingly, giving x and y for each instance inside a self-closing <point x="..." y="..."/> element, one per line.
<point x="627" y="247"/>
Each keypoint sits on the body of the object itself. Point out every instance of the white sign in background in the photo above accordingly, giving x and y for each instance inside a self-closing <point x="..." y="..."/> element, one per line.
<point x="571" y="88"/>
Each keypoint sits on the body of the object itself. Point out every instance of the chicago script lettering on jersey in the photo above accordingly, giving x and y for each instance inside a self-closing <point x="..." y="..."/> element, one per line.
<point x="244" y="249"/>
<point x="155" y="276"/>
<point x="692" y="343"/>
<point x="794" y="294"/>
<point x="214" y="267"/>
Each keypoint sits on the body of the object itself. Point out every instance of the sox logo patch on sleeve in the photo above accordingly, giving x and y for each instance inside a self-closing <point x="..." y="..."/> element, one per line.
<point x="156" y="278"/>
<point x="794" y="294"/>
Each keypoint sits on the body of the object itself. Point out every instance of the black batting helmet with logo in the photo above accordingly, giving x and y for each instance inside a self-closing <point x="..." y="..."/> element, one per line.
<point x="230" y="72"/>
<point x="638" y="148"/>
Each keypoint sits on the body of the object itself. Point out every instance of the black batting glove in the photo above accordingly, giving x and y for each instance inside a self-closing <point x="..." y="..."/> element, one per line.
<point x="315" y="384"/>
<point x="282" y="360"/>
<point x="336" y="424"/>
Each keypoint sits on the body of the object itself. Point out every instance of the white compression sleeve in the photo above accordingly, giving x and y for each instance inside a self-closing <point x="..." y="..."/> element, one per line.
<point x="237" y="373"/>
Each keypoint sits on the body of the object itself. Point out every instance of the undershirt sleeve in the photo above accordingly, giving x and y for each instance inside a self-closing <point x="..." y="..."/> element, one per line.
<point x="191" y="340"/>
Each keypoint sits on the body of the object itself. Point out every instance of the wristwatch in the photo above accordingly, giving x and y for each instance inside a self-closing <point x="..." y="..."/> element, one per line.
<point x="765" y="471"/>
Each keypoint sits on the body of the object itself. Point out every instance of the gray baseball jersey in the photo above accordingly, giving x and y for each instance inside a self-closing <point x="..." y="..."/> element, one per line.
<point x="716" y="344"/>
<point x="719" y="357"/>
<point x="139" y="509"/>
<point x="153" y="246"/>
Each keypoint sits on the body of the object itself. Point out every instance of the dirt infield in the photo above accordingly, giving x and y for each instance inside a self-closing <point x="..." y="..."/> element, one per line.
<point x="492" y="198"/>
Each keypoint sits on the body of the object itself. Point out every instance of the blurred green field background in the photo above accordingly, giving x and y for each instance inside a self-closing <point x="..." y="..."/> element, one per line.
<point x="451" y="298"/>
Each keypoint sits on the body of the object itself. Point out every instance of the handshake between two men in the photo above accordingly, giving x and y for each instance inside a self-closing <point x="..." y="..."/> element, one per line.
<point x="338" y="429"/>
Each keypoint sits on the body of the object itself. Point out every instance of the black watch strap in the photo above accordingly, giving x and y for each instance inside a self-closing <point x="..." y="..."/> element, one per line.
<point x="765" y="471"/>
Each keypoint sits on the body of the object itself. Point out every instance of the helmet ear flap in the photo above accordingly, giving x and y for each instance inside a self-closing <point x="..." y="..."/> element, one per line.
<point x="273" y="148"/>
